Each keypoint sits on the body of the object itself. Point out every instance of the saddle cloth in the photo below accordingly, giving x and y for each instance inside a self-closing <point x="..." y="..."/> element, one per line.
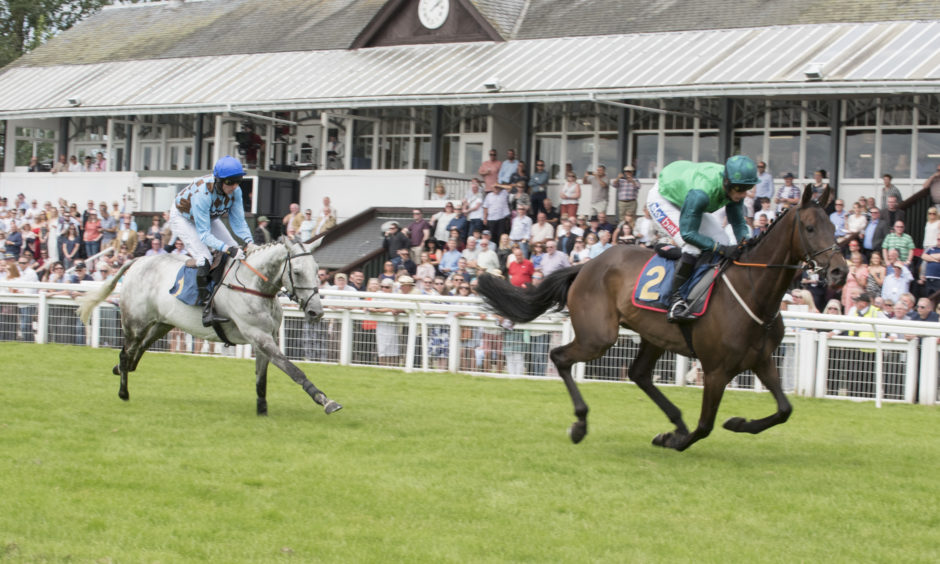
<point x="655" y="280"/>
<point x="184" y="286"/>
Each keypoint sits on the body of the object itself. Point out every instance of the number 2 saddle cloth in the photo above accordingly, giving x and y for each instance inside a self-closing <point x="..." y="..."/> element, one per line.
<point x="655" y="280"/>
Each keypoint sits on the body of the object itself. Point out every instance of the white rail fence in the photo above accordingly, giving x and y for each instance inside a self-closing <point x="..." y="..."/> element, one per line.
<point x="817" y="358"/>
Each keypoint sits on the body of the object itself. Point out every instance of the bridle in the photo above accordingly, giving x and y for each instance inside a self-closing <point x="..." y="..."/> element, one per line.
<point x="292" y="291"/>
<point x="808" y="262"/>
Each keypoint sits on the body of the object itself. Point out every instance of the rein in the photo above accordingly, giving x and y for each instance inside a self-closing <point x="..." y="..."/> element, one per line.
<point x="287" y="267"/>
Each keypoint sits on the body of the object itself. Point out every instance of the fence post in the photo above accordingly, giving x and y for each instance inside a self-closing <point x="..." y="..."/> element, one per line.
<point x="682" y="367"/>
<point x="453" y="349"/>
<point x="281" y="338"/>
<point x="879" y="369"/>
<point x="42" y="319"/>
<point x="928" y="371"/>
<point x="345" y="338"/>
<point x="806" y="362"/>
<point x="910" y="371"/>
<point x="411" y="342"/>
<point x="96" y="327"/>
<point x="822" y="369"/>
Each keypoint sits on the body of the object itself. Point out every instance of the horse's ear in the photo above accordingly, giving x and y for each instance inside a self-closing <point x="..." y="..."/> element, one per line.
<point x="317" y="240"/>
<point x="824" y="198"/>
<point x="316" y="243"/>
<point x="807" y="195"/>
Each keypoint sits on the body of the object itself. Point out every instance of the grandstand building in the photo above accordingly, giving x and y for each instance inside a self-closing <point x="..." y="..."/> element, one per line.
<point x="373" y="102"/>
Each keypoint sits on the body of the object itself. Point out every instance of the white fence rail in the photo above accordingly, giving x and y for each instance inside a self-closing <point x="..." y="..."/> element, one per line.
<point x="817" y="357"/>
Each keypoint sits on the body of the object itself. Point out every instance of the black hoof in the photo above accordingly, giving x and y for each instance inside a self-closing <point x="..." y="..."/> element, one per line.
<point x="331" y="406"/>
<point x="577" y="431"/>
<point x="735" y="424"/>
<point x="262" y="413"/>
<point x="661" y="439"/>
<point x="124" y="395"/>
<point x="116" y="370"/>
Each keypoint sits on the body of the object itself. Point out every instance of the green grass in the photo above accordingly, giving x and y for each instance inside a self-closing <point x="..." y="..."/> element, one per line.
<point x="438" y="468"/>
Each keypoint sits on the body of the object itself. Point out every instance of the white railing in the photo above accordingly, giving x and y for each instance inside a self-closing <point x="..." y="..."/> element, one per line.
<point x="817" y="357"/>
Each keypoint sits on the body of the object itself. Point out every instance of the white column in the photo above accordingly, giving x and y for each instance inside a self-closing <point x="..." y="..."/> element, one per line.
<point x="928" y="371"/>
<point x="412" y="340"/>
<point x="807" y="360"/>
<point x="345" y="339"/>
<point x="217" y="146"/>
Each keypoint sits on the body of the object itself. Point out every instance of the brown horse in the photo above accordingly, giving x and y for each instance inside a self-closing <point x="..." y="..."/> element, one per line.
<point x="741" y="329"/>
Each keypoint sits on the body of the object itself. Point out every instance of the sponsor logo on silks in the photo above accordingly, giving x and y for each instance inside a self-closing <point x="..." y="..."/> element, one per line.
<point x="661" y="218"/>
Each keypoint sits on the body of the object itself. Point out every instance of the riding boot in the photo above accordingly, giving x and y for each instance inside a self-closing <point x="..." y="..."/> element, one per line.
<point x="678" y="308"/>
<point x="205" y="299"/>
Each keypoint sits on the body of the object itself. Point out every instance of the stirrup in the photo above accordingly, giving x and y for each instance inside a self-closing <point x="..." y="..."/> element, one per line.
<point x="679" y="311"/>
<point x="210" y="317"/>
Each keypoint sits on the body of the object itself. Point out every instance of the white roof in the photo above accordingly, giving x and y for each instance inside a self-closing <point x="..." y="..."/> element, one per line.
<point x="854" y="58"/>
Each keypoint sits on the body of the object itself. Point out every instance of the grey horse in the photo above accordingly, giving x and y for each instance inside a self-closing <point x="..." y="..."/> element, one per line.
<point x="247" y="297"/>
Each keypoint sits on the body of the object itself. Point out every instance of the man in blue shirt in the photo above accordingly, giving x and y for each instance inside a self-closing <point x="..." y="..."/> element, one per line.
<point x="931" y="277"/>
<point x="538" y="186"/>
<point x="509" y="166"/>
<point x="838" y="219"/>
<point x="765" y="185"/>
<point x="450" y="259"/>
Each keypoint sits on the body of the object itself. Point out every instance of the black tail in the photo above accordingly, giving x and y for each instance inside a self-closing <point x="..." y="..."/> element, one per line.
<point x="525" y="304"/>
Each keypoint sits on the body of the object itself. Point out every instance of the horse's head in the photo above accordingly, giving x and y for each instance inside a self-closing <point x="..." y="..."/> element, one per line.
<point x="815" y="238"/>
<point x="300" y="278"/>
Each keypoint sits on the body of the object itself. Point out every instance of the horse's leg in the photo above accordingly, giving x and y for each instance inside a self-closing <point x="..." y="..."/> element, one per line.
<point x="591" y="341"/>
<point x="268" y="346"/>
<point x="641" y="372"/>
<point x="715" y="382"/>
<point x="767" y="372"/>
<point x="261" y="381"/>
<point x="134" y="347"/>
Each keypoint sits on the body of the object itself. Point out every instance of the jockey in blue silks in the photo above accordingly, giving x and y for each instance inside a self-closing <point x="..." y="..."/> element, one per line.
<point x="196" y="219"/>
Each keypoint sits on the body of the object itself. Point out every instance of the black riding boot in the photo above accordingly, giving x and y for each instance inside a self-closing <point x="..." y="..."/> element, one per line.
<point x="202" y="284"/>
<point x="678" y="308"/>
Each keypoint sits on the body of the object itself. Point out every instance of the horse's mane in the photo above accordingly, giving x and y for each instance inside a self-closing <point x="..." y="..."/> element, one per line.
<point x="266" y="246"/>
<point x="756" y="240"/>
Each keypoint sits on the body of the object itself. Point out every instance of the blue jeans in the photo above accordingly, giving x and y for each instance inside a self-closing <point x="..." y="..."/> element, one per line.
<point x="92" y="248"/>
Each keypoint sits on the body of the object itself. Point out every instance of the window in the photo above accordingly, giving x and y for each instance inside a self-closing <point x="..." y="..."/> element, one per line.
<point x="34" y="141"/>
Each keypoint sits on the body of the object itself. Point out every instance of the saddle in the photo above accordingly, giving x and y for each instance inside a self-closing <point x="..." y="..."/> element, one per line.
<point x="651" y="290"/>
<point x="184" y="286"/>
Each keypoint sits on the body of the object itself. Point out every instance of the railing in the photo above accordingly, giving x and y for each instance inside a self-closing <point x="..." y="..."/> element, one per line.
<point x="817" y="358"/>
<point x="456" y="185"/>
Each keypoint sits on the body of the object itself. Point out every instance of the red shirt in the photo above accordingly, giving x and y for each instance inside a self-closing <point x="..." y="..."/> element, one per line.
<point x="520" y="273"/>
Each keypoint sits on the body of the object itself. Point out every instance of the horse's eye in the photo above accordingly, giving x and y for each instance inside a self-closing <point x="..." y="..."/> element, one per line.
<point x="810" y="228"/>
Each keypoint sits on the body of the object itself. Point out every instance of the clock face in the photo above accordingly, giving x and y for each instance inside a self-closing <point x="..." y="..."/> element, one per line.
<point x="433" y="13"/>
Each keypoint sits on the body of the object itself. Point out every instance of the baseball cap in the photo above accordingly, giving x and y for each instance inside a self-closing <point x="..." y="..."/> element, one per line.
<point x="387" y="282"/>
<point x="629" y="169"/>
<point x="486" y="232"/>
<point x="263" y="218"/>
<point x="788" y="175"/>
<point x="79" y="265"/>
<point x="406" y="280"/>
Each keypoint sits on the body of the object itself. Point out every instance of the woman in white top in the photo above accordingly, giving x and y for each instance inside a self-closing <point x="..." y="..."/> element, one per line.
<point x="856" y="222"/>
<point x="570" y="195"/>
<point x="931" y="229"/>
<point x="579" y="253"/>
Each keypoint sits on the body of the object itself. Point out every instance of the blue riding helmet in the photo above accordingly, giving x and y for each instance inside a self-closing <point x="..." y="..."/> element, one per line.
<point x="740" y="169"/>
<point x="228" y="167"/>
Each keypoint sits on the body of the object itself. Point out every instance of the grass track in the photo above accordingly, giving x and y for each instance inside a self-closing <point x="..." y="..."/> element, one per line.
<point x="438" y="468"/>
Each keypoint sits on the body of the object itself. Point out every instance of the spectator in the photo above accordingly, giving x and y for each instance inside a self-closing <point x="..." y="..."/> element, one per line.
<point x="599" y="188"/>
<point x="901" y="241"/>
<point x="293" y="218"/>
<point x="489" y="171"/>
<point x="889" y="189"/>
<point x="419" y="232"/>
<point x="764" y="187"/>
<point x="440" y="222"/>
<point x="357" y="279"/>
<point x="875" y="232"/>
<point x="553" y="259"/>
<point x="503" y="250"/>
<point x="23" y="272"/>
<point x="580" y="253"/>
<point x="394" y="240"/>
<point x="388" y="271"/>
<point x="602" y="244"/>
<point x="538" y="251"/>
<point x="893" y="214"/>
<point x="931" y="228"/>
<point x="931" y="268"/>
<point x="473" y="206"/>
<point x="519" y="195"/>
<point x="496" y="212"/>
<point x="760" y="225"/>
<point x="833" y="307"/>
<point x="434" y="251"/>
<point x="788" y="194"/>
<point x="262" y="234"/>
<point x="403" y="261"/>
<point x="459" y="226"/>
<point x="508" y="167"/>
<point x="521" y="231"/>
<point x="440" y="192"/>
<point x="538" y="188"/>
<point x="471" y="251"/>
<point x="925" y="311"/>
<point x="764" y="210"/>
<point x="307" y="226"/>
<point x="62" y="165"/>
<point x="623" y="235"/>
<point x="628" y="188"/>
<point x="487" y="259"/>
<point x="876" y="275"/>
<point x="70" y="247"/>
<point x="570" y="196"/>
<point x="542" y="230"/>
<point x="34" y="165"/>
<point x="101" y="164"/>
<point x="449" y="260"/>
<point x="156" y="248"/>
<point x="897" y="282"/>
<point x="179" y="248"/>
<point x="126" y="235"/>
<point x="520" y="268"/>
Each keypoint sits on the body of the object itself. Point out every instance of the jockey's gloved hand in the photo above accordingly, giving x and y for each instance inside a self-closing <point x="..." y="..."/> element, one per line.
<point x="729" y="251"/>
<point x="235" y="252"/>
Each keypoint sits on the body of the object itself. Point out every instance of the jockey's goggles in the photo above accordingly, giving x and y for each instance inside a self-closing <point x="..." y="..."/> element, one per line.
<point x="740" y="187"/>
<point x="232" y="180"/>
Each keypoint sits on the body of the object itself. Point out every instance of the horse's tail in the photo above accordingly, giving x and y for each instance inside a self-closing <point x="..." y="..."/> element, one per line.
<point x="87" y="303"/>
<point x="525" y="304"/>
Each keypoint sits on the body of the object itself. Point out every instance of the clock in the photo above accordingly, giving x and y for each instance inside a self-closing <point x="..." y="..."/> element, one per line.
<point x="433" y="13"/>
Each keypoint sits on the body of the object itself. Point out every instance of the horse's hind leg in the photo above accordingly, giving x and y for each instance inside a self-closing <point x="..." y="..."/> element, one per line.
<point x="590" y="342"/>
<point x="261" y="381"/>
<point x="134" y="347"/>
<point x="767" y="372"/>
<point x="715" y="383"/>
<point x="268" y="346"/>
<point x="641" y="372"/>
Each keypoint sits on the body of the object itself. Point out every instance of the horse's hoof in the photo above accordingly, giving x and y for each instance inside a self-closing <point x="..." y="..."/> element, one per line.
<point x="262" y="413"/>
<point x="660" y="439"/>
<point x="124" y="395"/>
<point x="577" y="431"/>
<point x="331" y="406"/>
<point x="734" y="424"/>
<point x="116" y="370"/>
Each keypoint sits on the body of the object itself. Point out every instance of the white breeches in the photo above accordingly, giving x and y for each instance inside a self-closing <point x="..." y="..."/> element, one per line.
<point x="186" y="231"/>
<point x="667" y="215"/>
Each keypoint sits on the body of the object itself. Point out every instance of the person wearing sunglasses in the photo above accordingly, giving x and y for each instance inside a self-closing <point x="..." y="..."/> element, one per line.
<point x="196" y="218"/>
